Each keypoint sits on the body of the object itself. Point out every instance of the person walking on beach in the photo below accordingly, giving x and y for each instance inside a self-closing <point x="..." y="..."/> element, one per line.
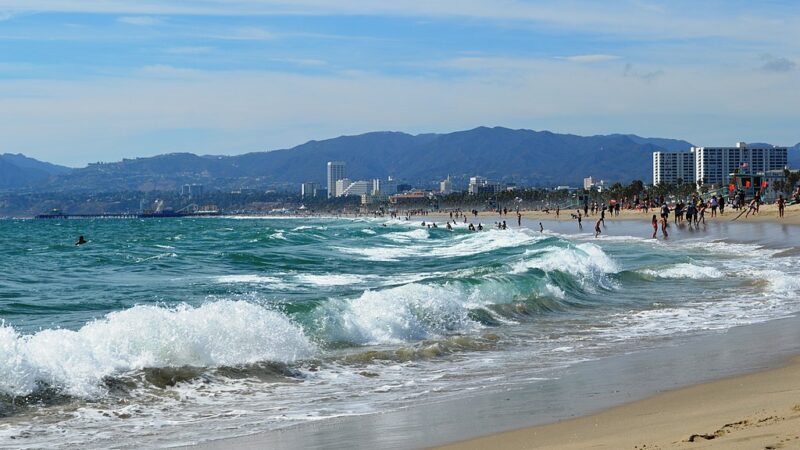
<point x="655" y="226"/>
<point x="714" y="205"/>
<point x="781" y="205"/>
<point x="721" y="205"/>
<point x="753" y="208"/>
<point x="558" y="210"/>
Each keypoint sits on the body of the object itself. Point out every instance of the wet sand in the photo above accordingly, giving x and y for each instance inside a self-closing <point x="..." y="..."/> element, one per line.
<point x="759" y="410"/>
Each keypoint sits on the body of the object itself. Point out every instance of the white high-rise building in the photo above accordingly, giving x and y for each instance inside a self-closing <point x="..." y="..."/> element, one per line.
<point x="308" y="190"/>
<point x="340" y="186"/>
<point x="714" y="165"/>
<point x="671" y="167"/>
<point x="384" y="187"/>
<point x="482" y="185"/>
<point x="335" y="173"/>
<point x="446" y="186"/>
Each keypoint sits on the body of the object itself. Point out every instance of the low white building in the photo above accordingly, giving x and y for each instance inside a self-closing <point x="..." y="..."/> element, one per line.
<point x="357" y="188"/>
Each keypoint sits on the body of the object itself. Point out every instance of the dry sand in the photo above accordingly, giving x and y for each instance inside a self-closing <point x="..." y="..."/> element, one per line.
<point x="756" y="411"/>
<point x="767" y="213"/>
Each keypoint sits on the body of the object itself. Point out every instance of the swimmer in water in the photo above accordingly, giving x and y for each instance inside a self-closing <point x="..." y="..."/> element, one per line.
<point x="81" y="241"/>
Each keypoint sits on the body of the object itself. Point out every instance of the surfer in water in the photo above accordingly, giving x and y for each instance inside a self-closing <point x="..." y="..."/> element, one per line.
<point x="81" y="241"/>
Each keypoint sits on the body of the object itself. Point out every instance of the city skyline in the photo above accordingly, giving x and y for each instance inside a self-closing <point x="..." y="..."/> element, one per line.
<point x="98" y="81"/>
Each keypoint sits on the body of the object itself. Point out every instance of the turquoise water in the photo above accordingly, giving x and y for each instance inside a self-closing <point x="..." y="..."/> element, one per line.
<point x="180" y="330"/>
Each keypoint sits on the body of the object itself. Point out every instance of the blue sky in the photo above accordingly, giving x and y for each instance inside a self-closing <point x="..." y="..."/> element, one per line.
<point x="99" y="80"/>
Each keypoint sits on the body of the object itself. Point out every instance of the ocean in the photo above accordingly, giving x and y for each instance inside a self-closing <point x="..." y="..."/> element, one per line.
<point x="164" y="332"/>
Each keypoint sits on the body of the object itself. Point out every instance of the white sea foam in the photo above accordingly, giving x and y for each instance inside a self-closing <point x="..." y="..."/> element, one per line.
<point x="406" y="236"/>
<point x="278" y="234"/>
<point x="586" y="261"/>
<point x="684" y="271"/>
<point x="247" y="279"/>
<point x="401" y="314"/>
<point x="332" y="279"/>
<point x="309" y="227"/>
<point x="215" y="334"/>
<point x="459" y="246"/>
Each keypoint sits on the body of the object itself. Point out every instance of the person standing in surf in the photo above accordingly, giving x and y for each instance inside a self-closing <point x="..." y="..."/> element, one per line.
<point x="655" y="226"/>
<point x="597" y="230"/>
<point x="781" y="205"/>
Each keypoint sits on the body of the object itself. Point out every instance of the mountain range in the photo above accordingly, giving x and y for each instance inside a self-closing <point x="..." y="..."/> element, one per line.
<point x="538" y="158"/>
<point x="17" y="170"/>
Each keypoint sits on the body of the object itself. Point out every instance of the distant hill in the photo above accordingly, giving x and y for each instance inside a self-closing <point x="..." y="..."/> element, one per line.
<point x="17" y="171"/>
<point x="523" y="156"/>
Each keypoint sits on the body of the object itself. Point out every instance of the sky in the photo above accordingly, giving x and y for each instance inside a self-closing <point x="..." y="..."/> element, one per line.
<point x="99" y="80"/>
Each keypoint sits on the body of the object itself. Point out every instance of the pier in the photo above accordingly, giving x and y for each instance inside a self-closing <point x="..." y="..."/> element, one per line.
<point x="123" y="215"/>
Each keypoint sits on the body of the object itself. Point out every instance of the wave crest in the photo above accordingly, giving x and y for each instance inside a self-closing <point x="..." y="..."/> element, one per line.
<point x="223" y="333"/>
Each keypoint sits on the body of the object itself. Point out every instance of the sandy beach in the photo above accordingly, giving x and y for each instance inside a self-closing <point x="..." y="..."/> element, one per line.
<point x="767" y="213"/>
<point x="760" y="410"/>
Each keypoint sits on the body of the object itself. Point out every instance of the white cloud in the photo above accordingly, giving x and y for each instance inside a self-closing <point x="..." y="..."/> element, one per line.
<point x="247" y="34"/>
<point x="167" y="71"/>
<point x="248" y="111"/>
<point x="589" y="58"/>
<point x="676" y="19"/>
<point x="188" y="50"/>
<point x="140" y="21"/>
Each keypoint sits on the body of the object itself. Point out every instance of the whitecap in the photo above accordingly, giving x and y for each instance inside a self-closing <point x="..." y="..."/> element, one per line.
<point x="222" y="333"/>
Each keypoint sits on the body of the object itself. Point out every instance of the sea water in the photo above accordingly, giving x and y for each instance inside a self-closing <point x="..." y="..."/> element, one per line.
<point x="174" y="331"/>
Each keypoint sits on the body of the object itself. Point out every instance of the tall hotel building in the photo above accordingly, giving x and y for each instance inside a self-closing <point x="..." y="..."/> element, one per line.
<point x="715" y="164"/>
<point x="669" y="167"/>
<point x="335" y="173"/>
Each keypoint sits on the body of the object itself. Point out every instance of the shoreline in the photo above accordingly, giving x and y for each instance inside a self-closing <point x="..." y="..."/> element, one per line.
<point x="755" y="410"/>
<point x="767" y="213"/>
<point x="556" y="412"/>
<point x="655" y="389"/>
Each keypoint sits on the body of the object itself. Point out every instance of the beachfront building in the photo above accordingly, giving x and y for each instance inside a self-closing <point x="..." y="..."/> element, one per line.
<point x="751" y="183"/>
<point x="308" y="190"/>
<point x="336" y="172"/>
<point x="446" y="186"/>
<point x="384" y="187"/>
<point x="339" y="187"/>
<point x="673" y="167"/>
<point x="413" y="197"/>
<point x="714" y="165"/>
<point x="482" y="185"/>
<point x="356" y="188"/>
